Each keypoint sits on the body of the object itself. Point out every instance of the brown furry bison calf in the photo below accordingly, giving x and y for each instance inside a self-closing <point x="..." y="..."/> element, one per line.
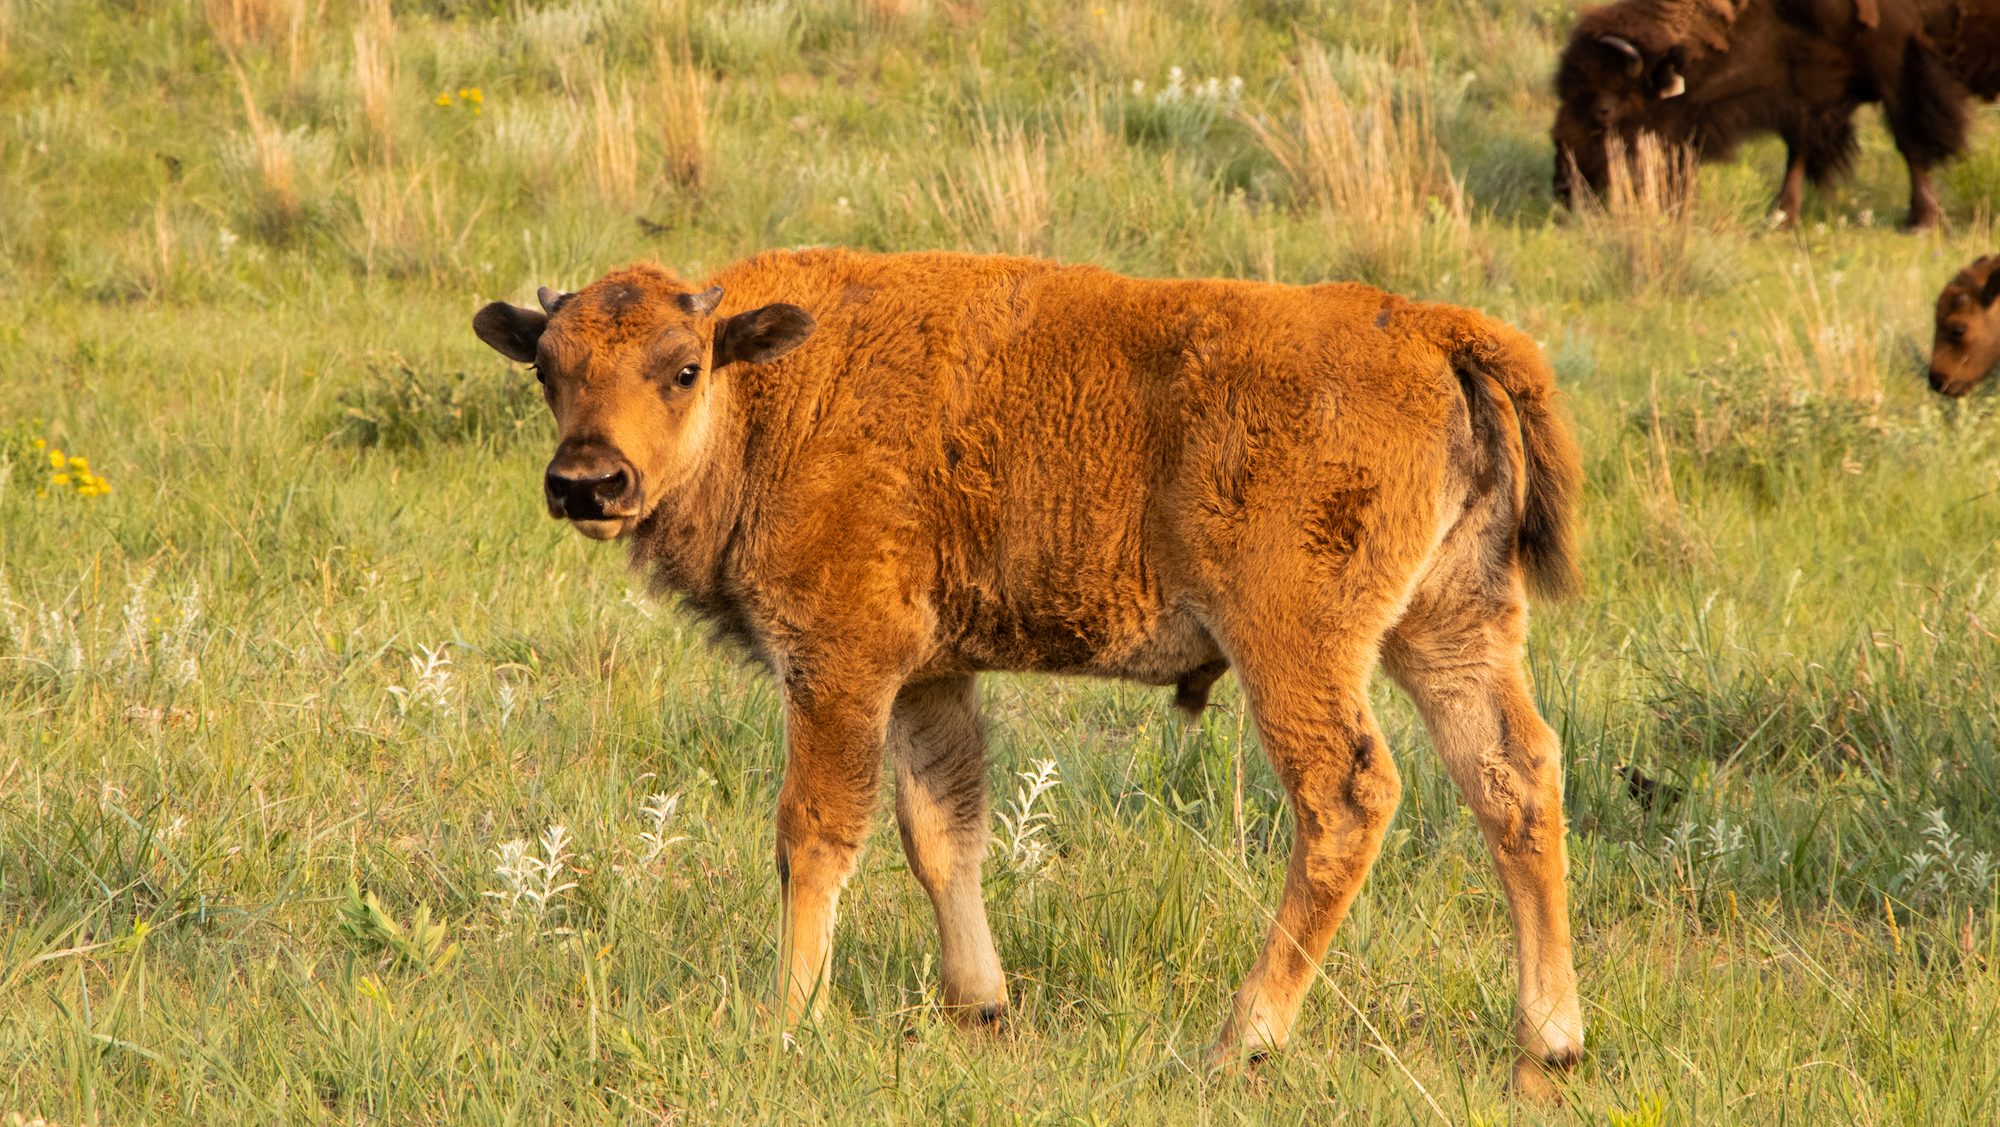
<point x="886" y="474"/>
<point x="1966" y="348"/>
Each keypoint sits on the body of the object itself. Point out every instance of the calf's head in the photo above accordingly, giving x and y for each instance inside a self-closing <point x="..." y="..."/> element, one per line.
<point x="1608" y="85"/>
<point x="1966" y="348"/>
<point x="635" y="367"/>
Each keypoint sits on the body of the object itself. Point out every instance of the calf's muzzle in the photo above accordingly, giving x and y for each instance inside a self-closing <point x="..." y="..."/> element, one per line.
<point x="590" y="483"/>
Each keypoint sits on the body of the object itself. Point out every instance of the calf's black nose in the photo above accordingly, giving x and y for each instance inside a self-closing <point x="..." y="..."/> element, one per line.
<point x="587" y="487"/>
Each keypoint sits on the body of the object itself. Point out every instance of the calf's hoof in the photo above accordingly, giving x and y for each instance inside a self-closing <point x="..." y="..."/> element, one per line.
<point x="980" y="1017"/>
<point x="1540" y="1081"/>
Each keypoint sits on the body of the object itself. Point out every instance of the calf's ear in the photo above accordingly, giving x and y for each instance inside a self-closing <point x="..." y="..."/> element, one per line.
<point x="511" y="330"/>
<point x="761" y="335"/>
<point x="1990" y="292"/>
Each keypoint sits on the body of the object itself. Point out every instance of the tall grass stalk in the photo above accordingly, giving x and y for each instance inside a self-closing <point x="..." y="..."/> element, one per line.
<point x="1645" y="222"/>
<point x="685" y="102"/>
<point x="375" y="76"/>
<point x="999" y="197"/>
<point x="1365" y="157"/>
<point x="614" y="144"/>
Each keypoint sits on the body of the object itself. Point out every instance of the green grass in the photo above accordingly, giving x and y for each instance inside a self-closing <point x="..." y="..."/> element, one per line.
<point x="319" y="477"/>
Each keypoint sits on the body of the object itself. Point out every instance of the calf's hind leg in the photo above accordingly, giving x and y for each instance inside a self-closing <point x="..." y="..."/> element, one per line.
<point x="1321" y="739"/>
<point x="1457" y="652"/>
<point x="940" y="760"/>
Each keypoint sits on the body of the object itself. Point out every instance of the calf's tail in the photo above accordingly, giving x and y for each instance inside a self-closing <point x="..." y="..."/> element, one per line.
<point x="1545" y="533"/>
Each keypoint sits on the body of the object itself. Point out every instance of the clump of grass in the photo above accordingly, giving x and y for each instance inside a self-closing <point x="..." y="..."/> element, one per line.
<point x="240" y="23"/>
<point x="402" y="224"/>
<point x="1820" y="349"/>
<point x="999" y="198"/>
<point x="268" y="159"/>
<point x="685" y="101"/>
<point x="1363" y="155"/>
<point x="1182" y="111"/>
<point x="748" y="35"/>
<point x="375" y="75"/>
<point x="614" y="144"/>
<point x="403" y="407"/>
<point x="1644" y="224"/>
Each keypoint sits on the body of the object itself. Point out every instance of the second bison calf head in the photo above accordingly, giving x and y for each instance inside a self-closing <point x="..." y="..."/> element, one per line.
<point x="634" y="368"/>
<point x="1967" y="345"/>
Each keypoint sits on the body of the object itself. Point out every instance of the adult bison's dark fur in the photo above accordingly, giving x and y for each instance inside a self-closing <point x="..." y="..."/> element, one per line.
<point x="1709" y="73"/>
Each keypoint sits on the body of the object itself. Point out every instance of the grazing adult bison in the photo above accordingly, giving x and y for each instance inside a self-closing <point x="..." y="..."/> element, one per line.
<point x="886" y="474"/>
<point x="1966" y="348"/>
<point x="1709" y="73"/>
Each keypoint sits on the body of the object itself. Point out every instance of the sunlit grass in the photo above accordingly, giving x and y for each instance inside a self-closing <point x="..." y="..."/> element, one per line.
<point x="297" y="684"/>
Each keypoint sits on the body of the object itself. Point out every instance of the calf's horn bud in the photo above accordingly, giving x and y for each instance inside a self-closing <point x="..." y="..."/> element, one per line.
<point x="550" y="299"/>
<point x="1674" y="85"/>
<point x="703" y="303"/>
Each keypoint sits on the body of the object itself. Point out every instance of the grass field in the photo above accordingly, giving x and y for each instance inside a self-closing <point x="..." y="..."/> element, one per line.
<point x="283" y="695"/>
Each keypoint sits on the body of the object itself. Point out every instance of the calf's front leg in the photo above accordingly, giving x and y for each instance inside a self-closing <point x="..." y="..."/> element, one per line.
<point x="832" y="770"/>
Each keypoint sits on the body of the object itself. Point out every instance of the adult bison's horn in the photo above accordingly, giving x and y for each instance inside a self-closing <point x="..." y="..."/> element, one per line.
<point x="1672" y="84"/>
<point x="1634" y="62"/>
<point x="703" y="303"/>
<point x="550" y="299"/>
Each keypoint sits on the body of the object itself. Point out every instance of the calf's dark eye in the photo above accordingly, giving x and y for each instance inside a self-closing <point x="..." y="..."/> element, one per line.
<point x="686" y="376"/>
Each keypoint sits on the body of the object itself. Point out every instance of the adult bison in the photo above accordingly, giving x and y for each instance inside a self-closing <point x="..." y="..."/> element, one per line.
<point x="1966" y="347"/>
<point x="886" y="474"/>
<point x="1709" y="73"/>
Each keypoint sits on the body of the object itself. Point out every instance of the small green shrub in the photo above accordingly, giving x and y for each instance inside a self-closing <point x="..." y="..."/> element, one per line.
<point x="400" y="407"/>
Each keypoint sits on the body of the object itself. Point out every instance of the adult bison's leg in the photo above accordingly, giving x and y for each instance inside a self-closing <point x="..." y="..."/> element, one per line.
<point x="940" y="760"/>
<point x="1321" y="738"/>
<point x="834" y="736"/>
<point x="1924" y="209"/>
<point x="1457" y="652"/>
<point x="1792" y="193"/>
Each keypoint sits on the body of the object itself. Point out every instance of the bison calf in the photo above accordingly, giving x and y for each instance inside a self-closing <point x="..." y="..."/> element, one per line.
<point x="886" y="474"/>
<point x="1966" y="347"/>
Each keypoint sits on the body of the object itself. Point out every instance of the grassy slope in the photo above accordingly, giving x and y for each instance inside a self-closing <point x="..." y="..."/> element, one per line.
<point x="317" y="473"/>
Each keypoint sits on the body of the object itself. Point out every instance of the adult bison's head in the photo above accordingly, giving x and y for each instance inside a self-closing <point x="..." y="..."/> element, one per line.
<point x="1609" y="86"/>
<point x="1966" y="348"/>
<point x="635" y="369"/>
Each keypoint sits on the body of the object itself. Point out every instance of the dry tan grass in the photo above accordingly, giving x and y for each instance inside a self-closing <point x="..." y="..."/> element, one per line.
<point x="403" y="226"/>
<point x="375" y="75"/>
<point x="613" y="156"/>
<point x="1817" y="348"/>
<point x="238" y="23"/>
<point x="1371" y="164"/>
<point x="280" y="206"/>
<point x="886" y="14"/>
<point x="1000" y="198"/>
<point x="1645" y="221"/>
<point x="686" y="102"/>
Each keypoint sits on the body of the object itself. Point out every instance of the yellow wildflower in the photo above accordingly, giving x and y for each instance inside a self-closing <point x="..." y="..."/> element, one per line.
<point x="444" y="99"/>
<point x="41" y="444"/>
<point x="59" y="479"/>
<point x="56" y="459"/>
<point x="79" y="462"/>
